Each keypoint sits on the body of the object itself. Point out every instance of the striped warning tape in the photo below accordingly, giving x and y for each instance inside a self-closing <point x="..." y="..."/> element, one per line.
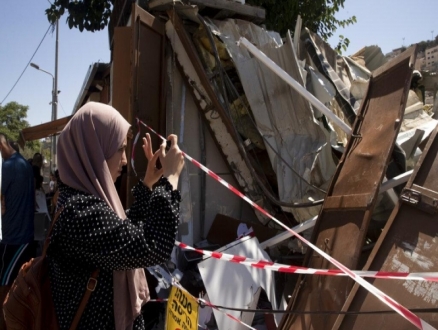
<point x="269" y="265"/>
<point x="404" y="312"/>
<point x="158" y="300"/>
<point x="133" y="149"/>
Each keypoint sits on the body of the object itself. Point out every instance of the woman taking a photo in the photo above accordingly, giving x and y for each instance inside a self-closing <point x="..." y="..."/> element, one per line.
<point x="94" y="232"/>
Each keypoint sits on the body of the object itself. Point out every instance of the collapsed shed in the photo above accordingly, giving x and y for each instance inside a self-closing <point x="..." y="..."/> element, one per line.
<point x="180" y="68"/>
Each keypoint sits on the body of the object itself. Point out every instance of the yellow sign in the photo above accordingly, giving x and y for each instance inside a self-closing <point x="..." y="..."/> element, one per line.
<point x="182" y="311"/>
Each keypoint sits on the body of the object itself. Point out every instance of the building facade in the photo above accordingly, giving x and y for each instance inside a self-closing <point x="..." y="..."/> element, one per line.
<point x="431" y="59"/>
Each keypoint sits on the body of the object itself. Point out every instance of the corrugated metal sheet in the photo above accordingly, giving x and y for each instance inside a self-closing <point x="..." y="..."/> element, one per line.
<point x="202" y="198"/>
<point x="212" y="109"/>
<point x="284" y="118"/>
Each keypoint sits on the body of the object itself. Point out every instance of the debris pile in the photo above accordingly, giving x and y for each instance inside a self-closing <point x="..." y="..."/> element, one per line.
<point x="339" y="149"/>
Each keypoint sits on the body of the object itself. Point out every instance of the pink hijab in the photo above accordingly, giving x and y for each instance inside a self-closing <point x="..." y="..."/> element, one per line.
<point x="91" y="137"/>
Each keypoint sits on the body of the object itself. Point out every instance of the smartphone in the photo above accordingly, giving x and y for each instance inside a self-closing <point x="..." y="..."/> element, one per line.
<point x="168" y="145"/>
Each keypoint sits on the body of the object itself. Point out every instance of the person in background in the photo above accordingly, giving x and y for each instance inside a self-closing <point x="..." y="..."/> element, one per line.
<point x="37" y="160"/>
<point x="40" y="196"/>
<point x="94" y="232"/>
<point x="52" y="184"/>
<point x="54" y="199"/>
<point x="18" y="207"/>
<point x="15" y="146"/>
<point x="37" y="165"/>
<point x="417" y="85"/>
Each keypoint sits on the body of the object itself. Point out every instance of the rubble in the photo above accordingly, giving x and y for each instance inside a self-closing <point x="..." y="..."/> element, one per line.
<point x="329" y="158"/>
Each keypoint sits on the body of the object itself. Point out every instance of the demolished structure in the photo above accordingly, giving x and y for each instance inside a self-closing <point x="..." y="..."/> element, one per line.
<point x="323" y="143"/>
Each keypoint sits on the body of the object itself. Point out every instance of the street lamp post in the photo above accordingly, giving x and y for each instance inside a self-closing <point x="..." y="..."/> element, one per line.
<point x="54" y="110"/>
<point x="55" y="97"/>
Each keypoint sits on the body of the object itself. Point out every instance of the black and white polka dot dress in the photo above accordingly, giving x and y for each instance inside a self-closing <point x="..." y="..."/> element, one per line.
<point x="89" y="235"/>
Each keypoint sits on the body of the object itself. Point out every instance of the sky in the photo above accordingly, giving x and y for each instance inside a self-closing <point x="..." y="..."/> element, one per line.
<point x="22" y="28"/>
<point x="389" y="24"/>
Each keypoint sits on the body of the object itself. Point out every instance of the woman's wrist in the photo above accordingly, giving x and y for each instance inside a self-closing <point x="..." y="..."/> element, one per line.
<point x="173" y="180"/>
<point x="147" y="184"/>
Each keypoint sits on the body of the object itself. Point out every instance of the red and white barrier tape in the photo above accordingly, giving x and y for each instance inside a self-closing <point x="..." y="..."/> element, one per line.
<point x="269" y="265"/>
<point x="134" y="143"/>
<point x="404" y="312"/>
<point x="158" y="300"/>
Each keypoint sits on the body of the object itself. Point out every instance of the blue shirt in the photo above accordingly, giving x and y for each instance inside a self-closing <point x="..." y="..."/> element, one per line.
<point x="18" y="189"/>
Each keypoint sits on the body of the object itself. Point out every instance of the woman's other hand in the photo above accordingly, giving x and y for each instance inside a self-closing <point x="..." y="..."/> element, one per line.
<point x="153" y="174"/>
<point x="172" y="160"/>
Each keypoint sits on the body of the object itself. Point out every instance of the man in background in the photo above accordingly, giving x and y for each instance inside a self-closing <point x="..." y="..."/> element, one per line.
<point x="417" y="85"/>
<point x="18" y="207"/>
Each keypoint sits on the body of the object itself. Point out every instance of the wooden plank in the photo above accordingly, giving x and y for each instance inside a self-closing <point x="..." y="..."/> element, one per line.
<point x="252" y="13"/>
<point x="42" y="131"/>
<point x="233" y="6"/>
<point x="213" y="111"/>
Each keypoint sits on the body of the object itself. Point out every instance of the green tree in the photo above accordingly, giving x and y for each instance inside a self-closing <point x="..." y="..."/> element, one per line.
<point x="317" y="15"/>
<point x="13" y="119"/>
<point x="281" y="15"/>
<point x="424" y="44"/>
<point x="91" y="15"/>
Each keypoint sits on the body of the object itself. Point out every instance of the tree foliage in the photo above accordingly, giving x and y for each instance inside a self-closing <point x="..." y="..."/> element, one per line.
<point x="91" y="15"/>
<point x="317" y="15"/>
<point x="423" y="45"/>
<point x="12" y="120"/>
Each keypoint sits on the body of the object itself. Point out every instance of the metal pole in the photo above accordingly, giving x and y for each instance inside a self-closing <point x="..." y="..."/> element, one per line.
<point x="52" y="146"/>
<point x="395" y="181"/>
<point x="55" y="98"/>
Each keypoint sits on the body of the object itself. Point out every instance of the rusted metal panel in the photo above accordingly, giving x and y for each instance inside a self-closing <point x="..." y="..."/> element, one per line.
<point x="141" y="92"/>
<point x="344" y="218"/>
<point x="121" y="71"/>
<point x="213" y="111"/>
<point x="408" y="243"/>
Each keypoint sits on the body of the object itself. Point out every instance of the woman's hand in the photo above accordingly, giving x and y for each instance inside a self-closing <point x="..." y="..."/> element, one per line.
<point x="172" y="161"/>
<point x="153" y="174"/>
